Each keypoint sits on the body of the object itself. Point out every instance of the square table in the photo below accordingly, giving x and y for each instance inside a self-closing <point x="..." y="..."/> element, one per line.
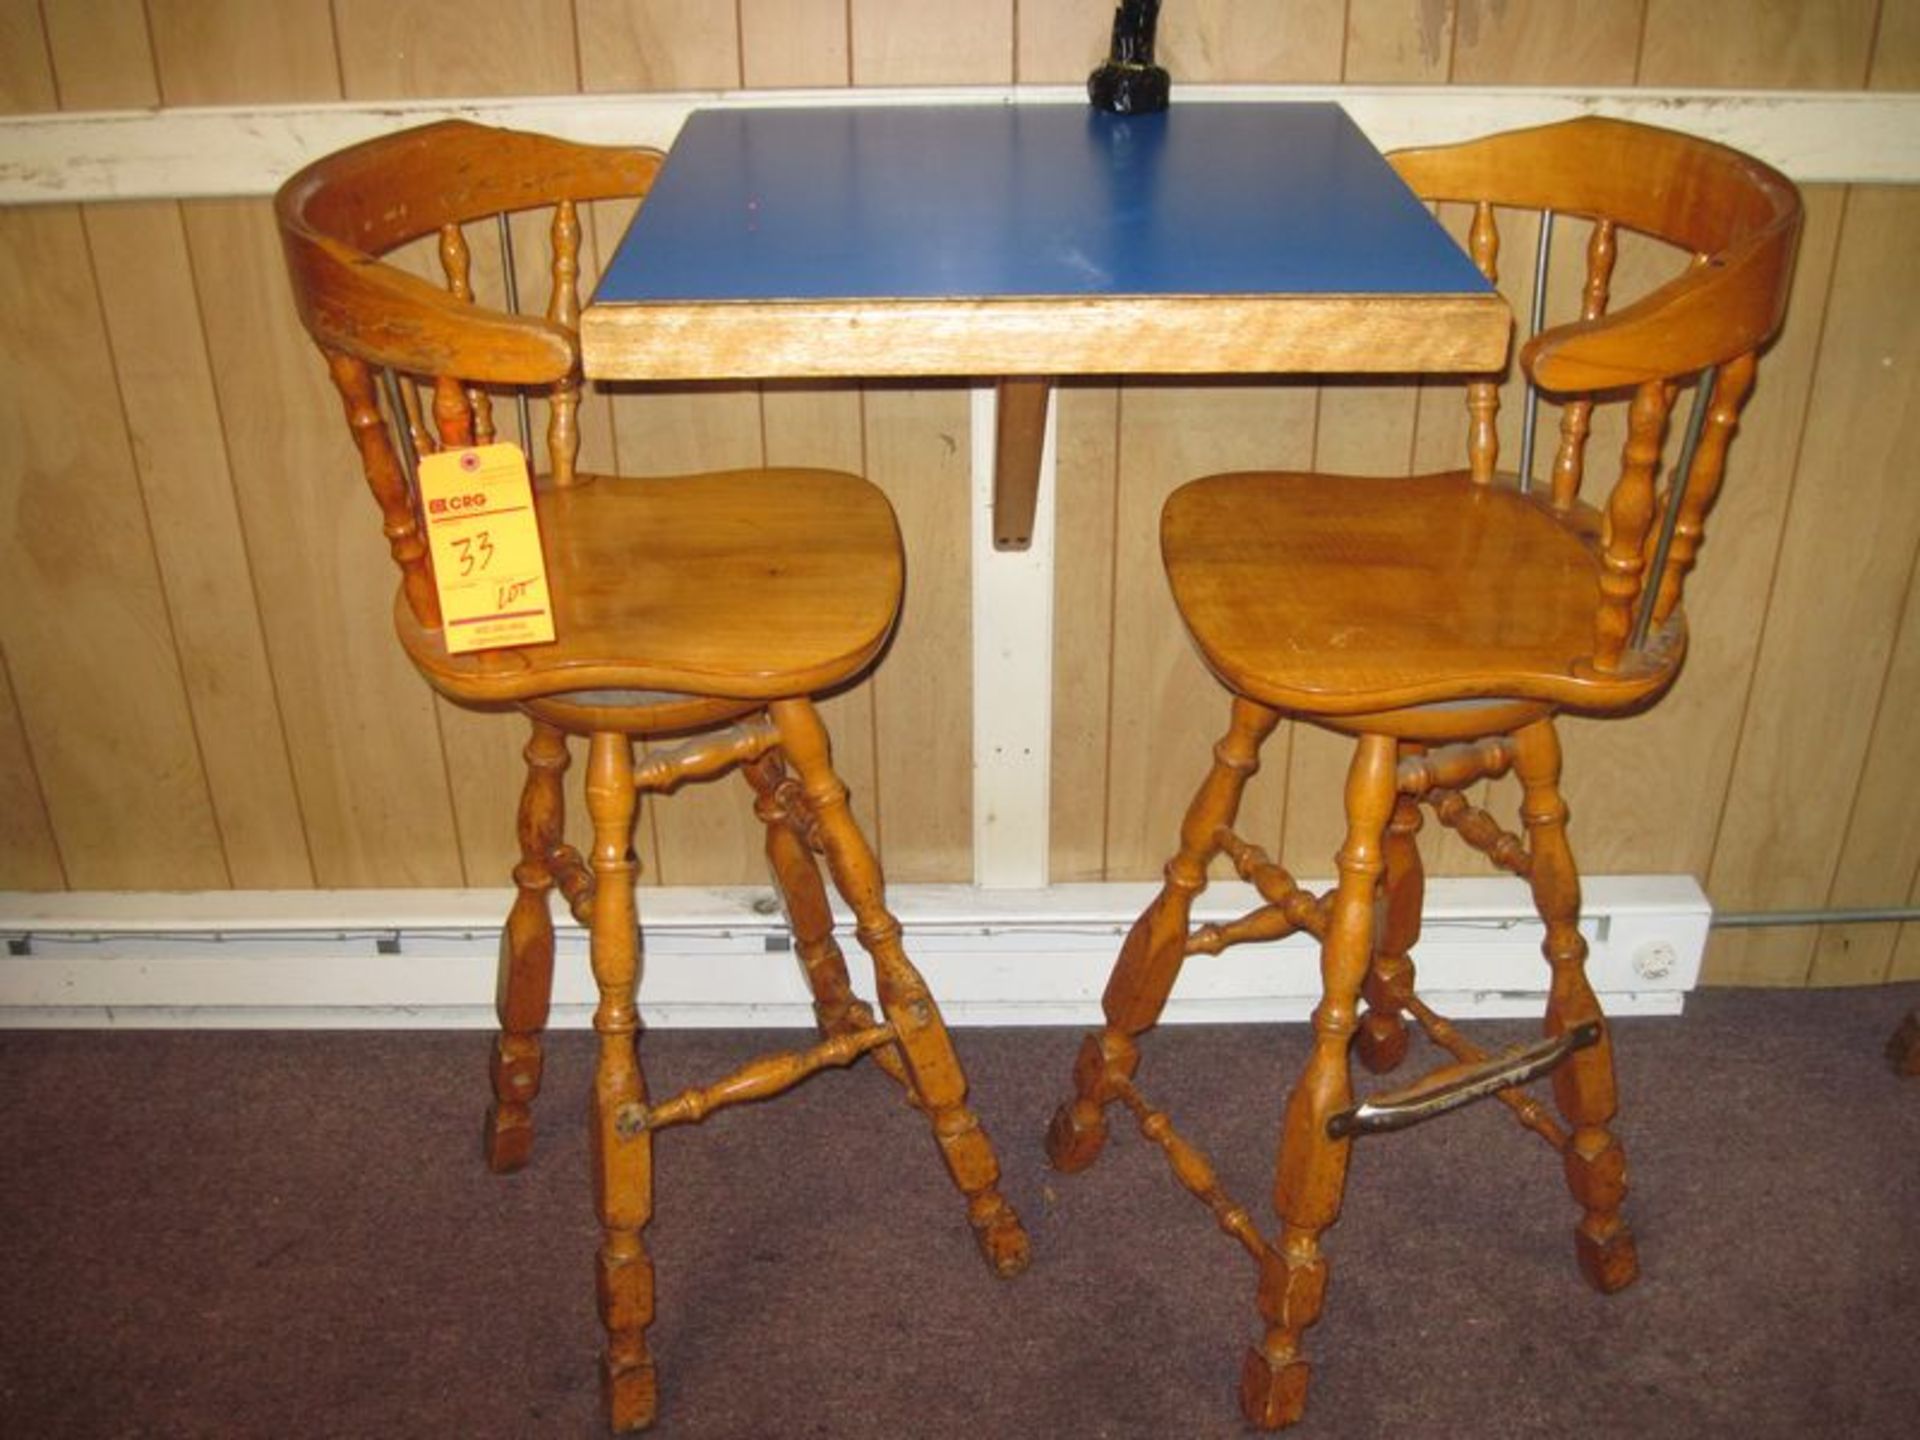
<point x="1016" y="243"/>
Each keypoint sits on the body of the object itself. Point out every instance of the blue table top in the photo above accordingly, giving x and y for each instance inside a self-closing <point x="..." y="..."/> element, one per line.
<point x="961" y="202"/>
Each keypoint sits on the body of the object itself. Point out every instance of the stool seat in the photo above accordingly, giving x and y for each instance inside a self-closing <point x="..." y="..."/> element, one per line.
<point x="1344" y="595"/>
<point x="743" y="584"/>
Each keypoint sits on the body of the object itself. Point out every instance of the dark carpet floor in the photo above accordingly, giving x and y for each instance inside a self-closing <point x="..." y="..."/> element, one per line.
<point x="275" y="1234"/>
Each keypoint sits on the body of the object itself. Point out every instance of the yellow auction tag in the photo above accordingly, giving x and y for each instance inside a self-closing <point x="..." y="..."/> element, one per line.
<point x="485" y="543"/>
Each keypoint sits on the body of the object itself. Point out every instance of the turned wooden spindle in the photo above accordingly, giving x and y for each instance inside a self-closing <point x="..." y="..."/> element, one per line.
<point x="623" y="1163"/>
<point x="563" y="309"/>
<point x="573" y="878"/>
<point x="759" y="1079"/>
<point x="1481" y="831"/>
<point x="1448" y="767"/>
<point x="1583" y="1087"/>
<point x="705" y="756"/>
<point x="456" y="263"/>
<point x="388" y="482"/>
<point x="526" y="943"/>
<point x="1155" y="947"/>
<point x="452" y="413"/>
<point x="1195" y="1172"/>
<point x="781" y="807"/>
<point x="919" y="1030"/>
<point x="1731" y="387"/>
<point x="1576" y="419"/>
<point x="1483" y="394"/>
<point x="1312" y="1174"/>
<point x="1629" y="516"/>
<point x="1381" y="1042"/>
<point x="418" y="435"/>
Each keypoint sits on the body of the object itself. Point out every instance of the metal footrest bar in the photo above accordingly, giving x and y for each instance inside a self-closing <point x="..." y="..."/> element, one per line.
<point x="1452" y="1086"/>
<point x="1527" y="1110"/>
<point x="1193" y="1170"/>
<point x="756" y="1080"/>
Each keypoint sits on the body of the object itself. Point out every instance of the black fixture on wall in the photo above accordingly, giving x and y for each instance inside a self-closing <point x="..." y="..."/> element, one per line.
<point x="1130" y="83"/>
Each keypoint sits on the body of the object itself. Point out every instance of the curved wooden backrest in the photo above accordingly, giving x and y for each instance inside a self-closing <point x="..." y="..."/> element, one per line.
<point x="1739" y="220"/>
<point x="342" y="216"/>
<point x="1740" y="216"/>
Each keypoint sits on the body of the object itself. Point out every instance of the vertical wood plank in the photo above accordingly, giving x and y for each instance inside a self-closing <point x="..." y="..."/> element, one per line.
<point x="101" y="59"/>
<point x="1086" y="478"/>
<point x="499" y="47"/>
<point x="167" y="388"/>
<point x="794" y="43"/>
<point x="1253" y="40"/>
<point x="86" y="632"/>
<point x="1758" y="44"/>
<point x="26" y="78"/>
<point x="150" y="304"/>
<point x="1896" y="47"/>
<point x="917" y="451"/>
<point x="1835" y="607"/>
<point x="29" y="854"/>
<point x="932" y="42"/>
<point x="366" y="753"/>
<point x="1061" y="41"/>
<point x="1399" y="42"/>
<point x="1547" y="42"/>
<point x="657" y="45"/>
<point x="232" y="52"/>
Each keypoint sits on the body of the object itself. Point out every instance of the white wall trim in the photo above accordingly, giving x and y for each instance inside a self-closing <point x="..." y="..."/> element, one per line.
<point x="192" y="152"/>
<point x="715" y="958"/>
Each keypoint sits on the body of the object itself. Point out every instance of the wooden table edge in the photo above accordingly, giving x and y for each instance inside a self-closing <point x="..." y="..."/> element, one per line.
<point x="850" y="340"/>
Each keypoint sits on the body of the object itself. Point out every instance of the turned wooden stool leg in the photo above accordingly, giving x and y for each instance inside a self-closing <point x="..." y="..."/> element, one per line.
<point x="1155" y="948"/>
<point x="781" y="808"/>
<point x="623" y="1154"/>
<point x="921" y="1035"/>
<point x="526" y="956"/>
<point x="1312" y="1174"/>
<point x="1583" y="1087"/>
<point x="1381" y="1041"/>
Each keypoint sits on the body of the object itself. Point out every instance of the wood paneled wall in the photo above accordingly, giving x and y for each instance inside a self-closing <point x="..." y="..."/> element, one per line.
<point x="198" y="688"/>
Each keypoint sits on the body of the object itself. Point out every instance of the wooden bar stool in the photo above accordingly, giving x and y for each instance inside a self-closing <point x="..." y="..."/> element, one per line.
<point x="711" y="606"/>
<point x="1443" y="621"/>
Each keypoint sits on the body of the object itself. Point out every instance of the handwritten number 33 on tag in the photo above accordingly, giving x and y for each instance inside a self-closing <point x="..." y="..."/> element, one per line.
<point x="484" y="538"/>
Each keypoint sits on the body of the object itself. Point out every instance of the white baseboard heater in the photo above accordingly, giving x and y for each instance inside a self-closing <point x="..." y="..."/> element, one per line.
<point x="720" y="958"/>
